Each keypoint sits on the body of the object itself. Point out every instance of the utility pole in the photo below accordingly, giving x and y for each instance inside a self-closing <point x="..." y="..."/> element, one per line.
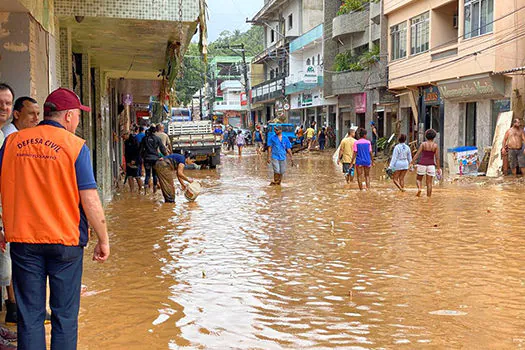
<point x="200" y="103"/>
<point x="245" y="73"/>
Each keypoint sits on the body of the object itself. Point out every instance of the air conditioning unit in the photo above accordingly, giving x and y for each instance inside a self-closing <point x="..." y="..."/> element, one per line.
<point x="455" y="21"/>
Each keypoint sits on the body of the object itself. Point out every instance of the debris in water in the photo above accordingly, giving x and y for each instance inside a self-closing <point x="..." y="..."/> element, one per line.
<point x="448" y="313"/>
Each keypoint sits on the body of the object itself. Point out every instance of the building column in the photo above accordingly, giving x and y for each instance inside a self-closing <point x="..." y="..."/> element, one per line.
<point x="86" y="97"/>
<point x="103" y="137"/>
<point x="66" y="53"/>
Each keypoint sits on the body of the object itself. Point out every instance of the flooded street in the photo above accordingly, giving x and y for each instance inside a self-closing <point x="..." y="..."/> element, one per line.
<point x="314" y="264"/>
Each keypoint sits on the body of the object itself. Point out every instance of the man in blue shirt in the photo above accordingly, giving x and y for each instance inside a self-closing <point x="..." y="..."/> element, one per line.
<point x="278" y="147"/>
<point x="140" y="135"/>
<point x="165" y="167"/>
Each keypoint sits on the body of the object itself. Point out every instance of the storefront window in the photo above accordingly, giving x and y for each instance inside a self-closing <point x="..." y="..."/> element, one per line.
<point x="470" y="124"/>
<point x="479" y="16"/>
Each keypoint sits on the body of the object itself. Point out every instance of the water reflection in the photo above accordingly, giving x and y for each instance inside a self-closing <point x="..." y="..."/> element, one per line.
<point x="314" y="264"/>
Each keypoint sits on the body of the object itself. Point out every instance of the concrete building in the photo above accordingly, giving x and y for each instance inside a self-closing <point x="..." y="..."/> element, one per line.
<point x="453" y="63"/>
<point x="283" y="21"/>
<point x="226" y="85"/>
<point x="230" y="103"/>
<point x="355" y="66"/>
<point x="110" y="53"/>
<point x="304" y="84"/>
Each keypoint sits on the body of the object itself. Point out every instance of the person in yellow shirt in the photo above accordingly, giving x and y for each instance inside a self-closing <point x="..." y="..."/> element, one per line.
<point x="346" y="154"/>
<point x="310" y="132"/>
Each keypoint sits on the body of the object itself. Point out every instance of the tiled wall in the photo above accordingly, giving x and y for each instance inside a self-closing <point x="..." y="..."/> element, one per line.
<point x="42" y="11"/>
<point x="162" y="10"/>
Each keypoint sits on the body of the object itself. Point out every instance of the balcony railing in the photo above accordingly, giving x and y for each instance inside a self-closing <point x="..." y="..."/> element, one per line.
<point x="351" y="23"/>
<point x="269" y="90"/>
<point x="272" y="51"/>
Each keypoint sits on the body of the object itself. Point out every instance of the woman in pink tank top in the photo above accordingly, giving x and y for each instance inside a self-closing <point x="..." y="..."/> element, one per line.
<point x="428" y="162"/>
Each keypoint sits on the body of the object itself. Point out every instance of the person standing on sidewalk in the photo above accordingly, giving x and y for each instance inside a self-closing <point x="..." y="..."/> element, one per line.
<point x="278" y="147"/>
<point x="26" y="114"/>
<point x="133" y="163"/>
<point x="322" y="138"/>
<point x="513" y="147"/>
<point x="163" y="137"/>
<point x="150" y="147"/>
<point x="7" y="96"/>
<point x="374" y="137"/>
<point x="47" y="171"/>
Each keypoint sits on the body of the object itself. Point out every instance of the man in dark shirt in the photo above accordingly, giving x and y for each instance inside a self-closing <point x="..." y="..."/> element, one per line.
<point x="133" y="163"/>
<point x="149" y="150"/>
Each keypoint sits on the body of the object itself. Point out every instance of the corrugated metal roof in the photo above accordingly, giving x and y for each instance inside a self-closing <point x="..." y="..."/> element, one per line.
<point x="508" y="71"/>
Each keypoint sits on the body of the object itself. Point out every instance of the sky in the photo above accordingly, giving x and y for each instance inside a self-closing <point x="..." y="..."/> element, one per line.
<point x="230" y="15"/>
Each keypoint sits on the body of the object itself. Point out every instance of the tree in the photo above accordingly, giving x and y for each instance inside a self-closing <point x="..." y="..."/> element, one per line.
<point x="192" y="78"/>
<point x="193" y="72"/>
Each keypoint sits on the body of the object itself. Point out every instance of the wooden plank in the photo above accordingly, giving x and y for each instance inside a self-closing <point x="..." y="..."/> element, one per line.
<point x="496" y="162"/>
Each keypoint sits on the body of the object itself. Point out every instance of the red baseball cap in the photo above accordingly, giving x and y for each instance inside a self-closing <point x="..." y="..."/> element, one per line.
<point x="63" y="99"/>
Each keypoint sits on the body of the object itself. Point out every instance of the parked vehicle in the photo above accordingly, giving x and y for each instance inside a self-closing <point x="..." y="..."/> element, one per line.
<point x="288" y="131"/>
<point x="179" y="114"/>
<point x="198" y="138"/>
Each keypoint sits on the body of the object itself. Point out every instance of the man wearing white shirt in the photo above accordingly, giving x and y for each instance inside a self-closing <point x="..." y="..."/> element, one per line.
<point x="26" y="114"/>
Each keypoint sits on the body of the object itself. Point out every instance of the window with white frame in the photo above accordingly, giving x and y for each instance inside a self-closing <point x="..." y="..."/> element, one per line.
<point x="290" y="21"/>
<point x="419" y="33"/>
<point x="479" y="16"/>
<point x="398" y="35"/>
<point x="272" y="35"/>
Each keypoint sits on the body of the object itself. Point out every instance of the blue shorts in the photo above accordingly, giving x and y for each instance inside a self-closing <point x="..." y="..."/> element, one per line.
<point x="279" y="166"/>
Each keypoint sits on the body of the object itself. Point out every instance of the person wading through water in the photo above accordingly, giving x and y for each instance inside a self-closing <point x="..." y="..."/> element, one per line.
<point x="165" y="167"/>
<point x="278" y="147"/>
<point x="149" y="150"/>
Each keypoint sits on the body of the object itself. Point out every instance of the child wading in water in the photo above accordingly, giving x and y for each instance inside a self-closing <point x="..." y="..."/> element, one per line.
<point x="428" y="162"/>
<point x="363" y="159"/>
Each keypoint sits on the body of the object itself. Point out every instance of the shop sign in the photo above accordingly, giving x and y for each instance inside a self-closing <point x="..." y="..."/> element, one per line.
<point x="488" y="86"/>
<point x="244" y="100"/>
<point x="431" y="96"/>
<point x="360" y="102"/>
<point x="310" y="77"/>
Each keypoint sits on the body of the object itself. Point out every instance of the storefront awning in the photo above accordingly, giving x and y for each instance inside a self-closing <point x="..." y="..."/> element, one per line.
<point x="509" y="71"/>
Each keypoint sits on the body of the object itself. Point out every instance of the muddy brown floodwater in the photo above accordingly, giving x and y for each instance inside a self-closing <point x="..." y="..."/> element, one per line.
<point x="314" y="264"/>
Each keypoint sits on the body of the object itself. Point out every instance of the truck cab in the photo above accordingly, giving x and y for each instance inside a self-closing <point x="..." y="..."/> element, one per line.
<point x="288" y="131"/>
<point x="197" y="137"/>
